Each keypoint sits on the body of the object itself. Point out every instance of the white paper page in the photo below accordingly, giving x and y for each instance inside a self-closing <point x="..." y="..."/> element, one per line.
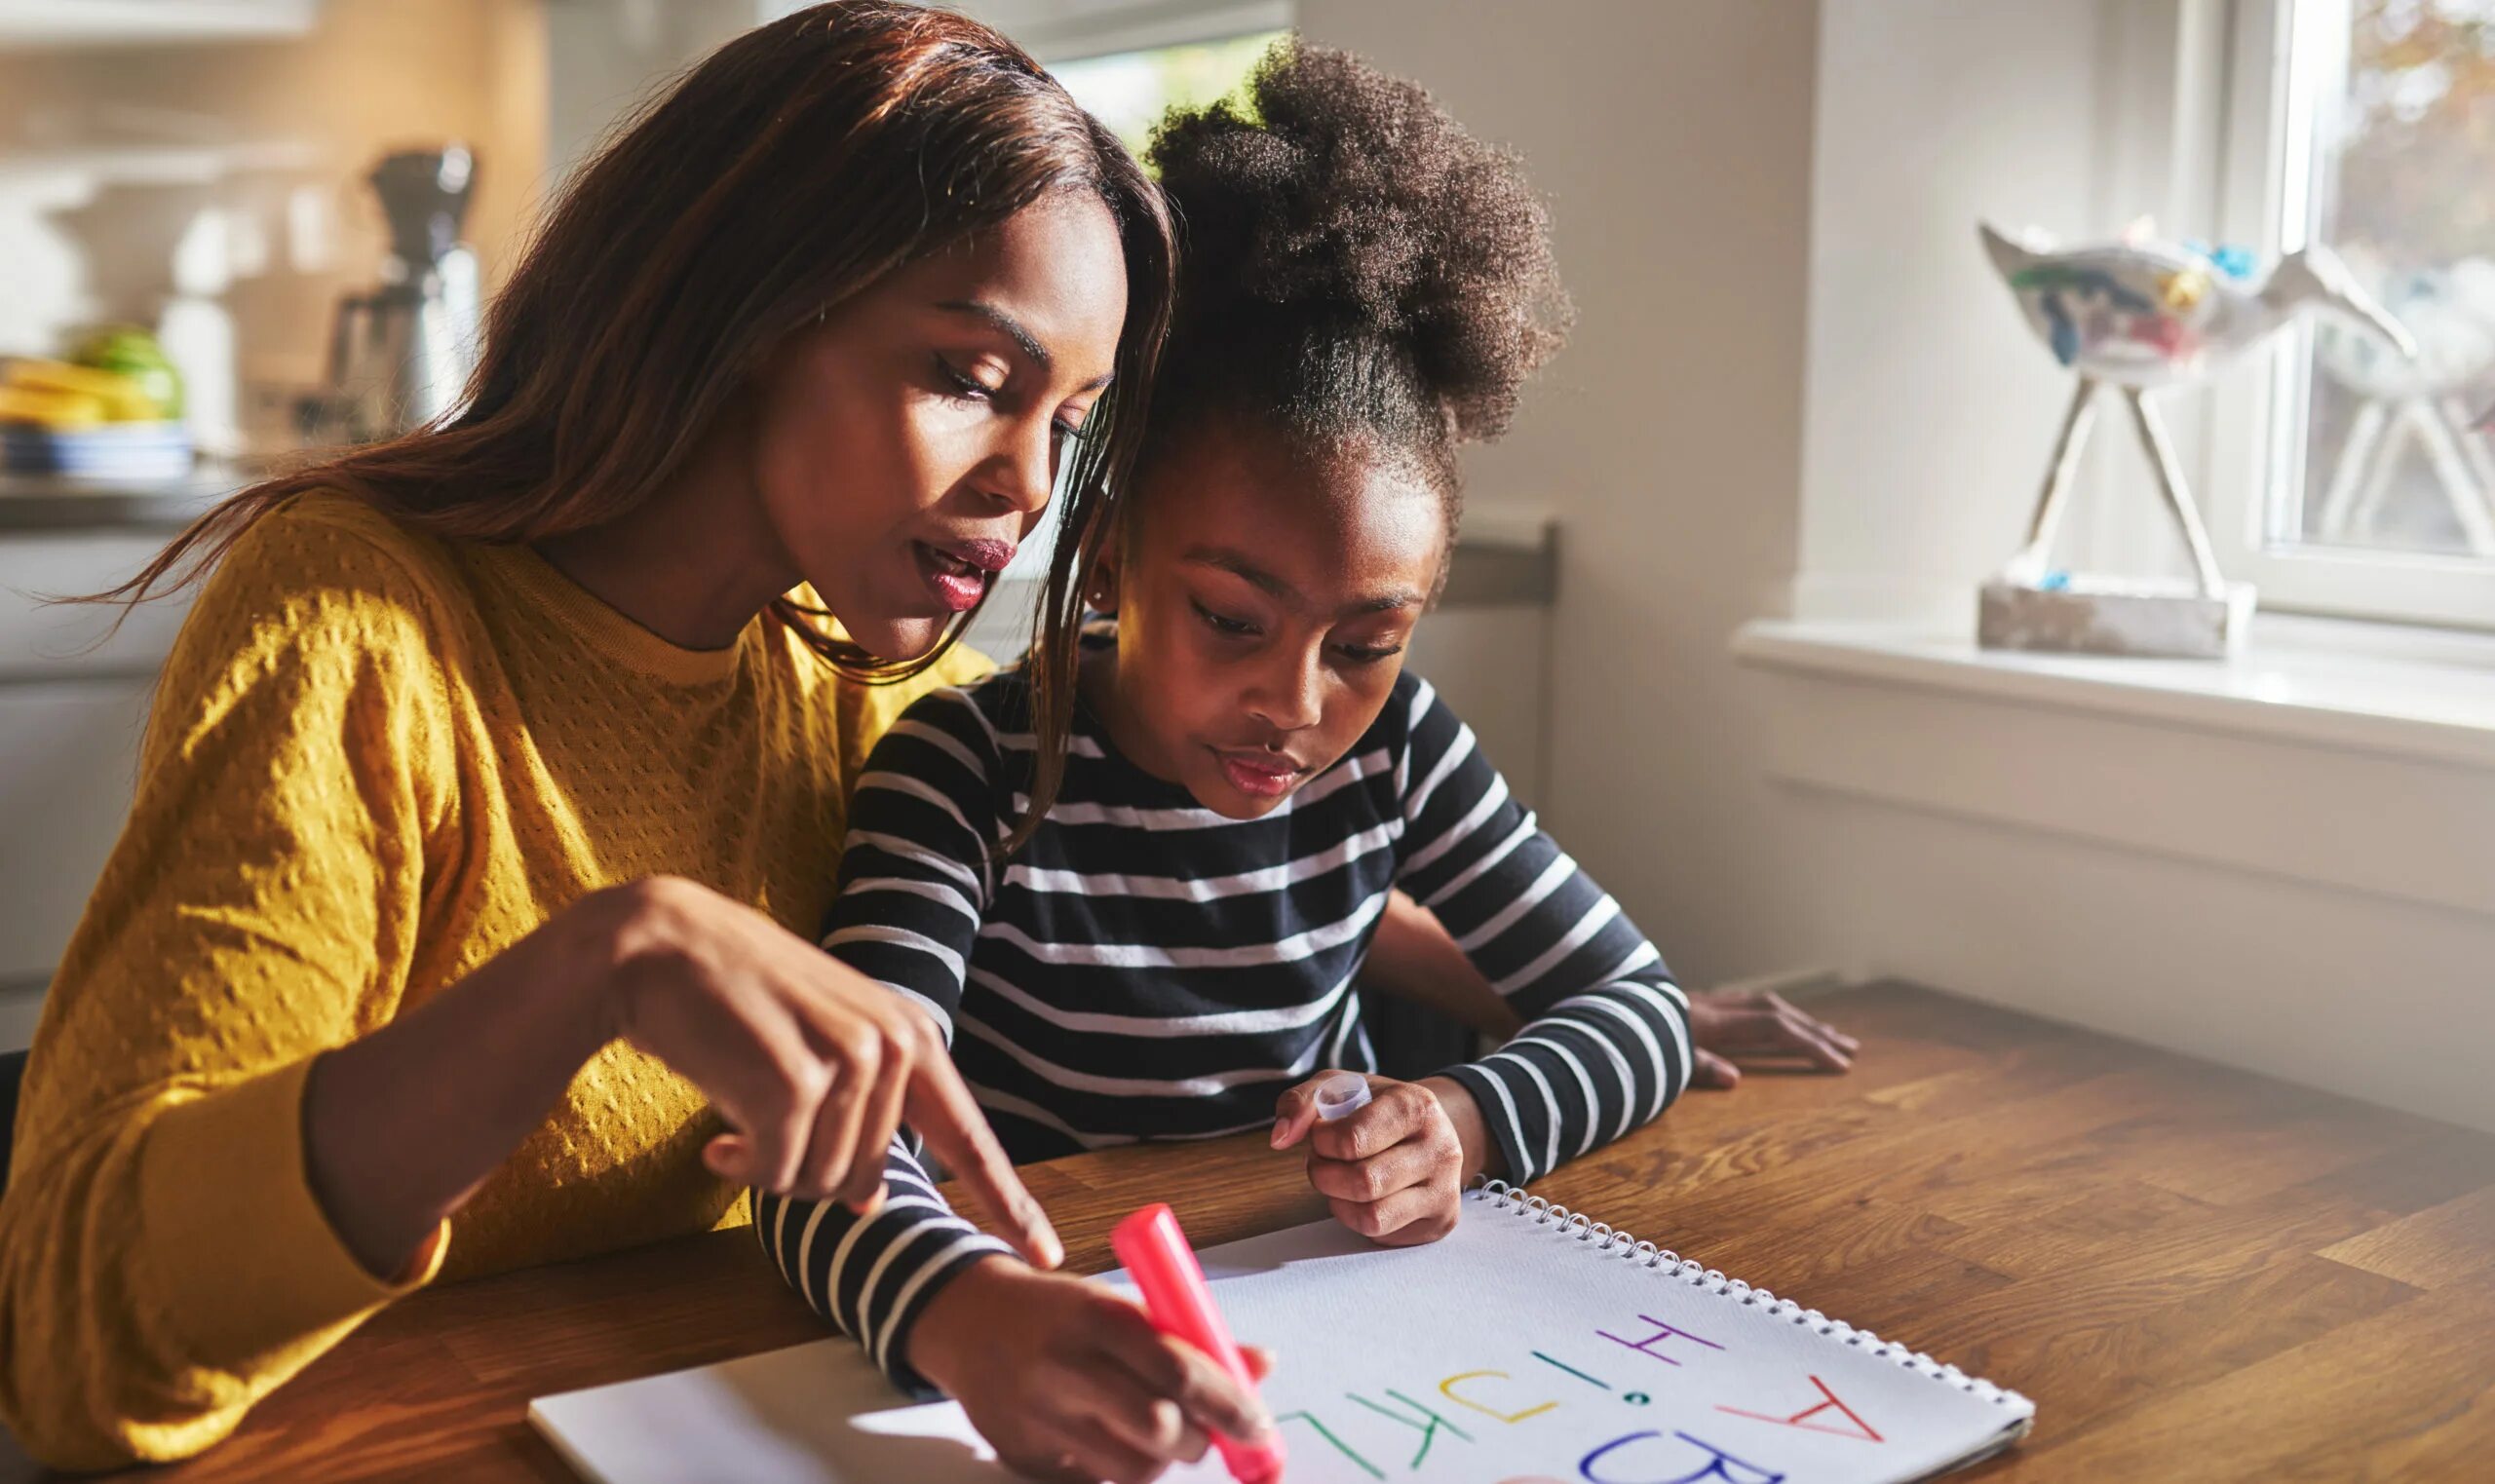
<point x="1510" y="1352"/>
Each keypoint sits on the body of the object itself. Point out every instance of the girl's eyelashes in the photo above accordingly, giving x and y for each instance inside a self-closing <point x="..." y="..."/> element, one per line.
<point x="1243" y="628"/>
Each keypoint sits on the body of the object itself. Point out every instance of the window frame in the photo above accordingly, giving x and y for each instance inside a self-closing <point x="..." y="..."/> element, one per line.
<point x="2264" y="85"/>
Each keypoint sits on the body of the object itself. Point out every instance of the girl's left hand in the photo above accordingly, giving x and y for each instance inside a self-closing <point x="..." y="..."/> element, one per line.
<point x="1395" y="1170"/>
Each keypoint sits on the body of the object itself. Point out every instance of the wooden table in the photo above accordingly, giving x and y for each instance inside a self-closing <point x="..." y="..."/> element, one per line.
<point x="2196" y="1273"/>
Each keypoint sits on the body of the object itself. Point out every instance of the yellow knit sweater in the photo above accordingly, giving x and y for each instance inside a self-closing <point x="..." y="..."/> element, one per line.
<point x="375" y="760"/>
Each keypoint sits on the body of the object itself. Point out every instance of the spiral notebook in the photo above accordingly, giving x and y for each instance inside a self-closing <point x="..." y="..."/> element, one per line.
<point x="1535" y="1344"/>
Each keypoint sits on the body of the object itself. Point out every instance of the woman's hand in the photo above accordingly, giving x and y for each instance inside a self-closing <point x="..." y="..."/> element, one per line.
<point x="814" y="1065"/>
<point x="1069" y="1381"/>
<point x="1395" y="1170"/>
<point x="1760" y="1024"/>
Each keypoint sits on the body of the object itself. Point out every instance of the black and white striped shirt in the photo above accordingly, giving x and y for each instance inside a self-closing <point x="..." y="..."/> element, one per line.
<point x="1147" y="969"/>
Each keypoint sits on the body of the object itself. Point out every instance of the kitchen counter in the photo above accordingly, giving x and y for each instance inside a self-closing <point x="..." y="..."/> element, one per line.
<point x="1504" y="556"/>
<point x="51" y="504"/>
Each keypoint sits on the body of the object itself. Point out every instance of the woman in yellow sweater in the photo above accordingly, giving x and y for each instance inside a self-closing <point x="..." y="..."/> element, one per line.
<point x="488" y="801"/>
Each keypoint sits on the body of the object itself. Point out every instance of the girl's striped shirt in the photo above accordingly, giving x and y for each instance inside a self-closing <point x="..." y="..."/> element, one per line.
<point x="1147" y="969"/>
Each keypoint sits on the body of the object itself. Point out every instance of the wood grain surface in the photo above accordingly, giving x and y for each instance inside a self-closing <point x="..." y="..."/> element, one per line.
<point x="2196" y="1273"/>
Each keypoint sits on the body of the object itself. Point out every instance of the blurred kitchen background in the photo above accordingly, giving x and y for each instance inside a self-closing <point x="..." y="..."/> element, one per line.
<point x="233" y="231"/>
<point x="1713" y="614"/>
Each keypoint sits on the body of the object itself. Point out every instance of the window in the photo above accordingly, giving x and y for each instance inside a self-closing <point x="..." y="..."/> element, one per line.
<point x="1129" y="90"/>
<point x="2344" y="478"/>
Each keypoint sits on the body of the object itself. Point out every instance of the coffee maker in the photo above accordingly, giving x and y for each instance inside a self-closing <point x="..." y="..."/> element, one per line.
<point x="401" y="355"/>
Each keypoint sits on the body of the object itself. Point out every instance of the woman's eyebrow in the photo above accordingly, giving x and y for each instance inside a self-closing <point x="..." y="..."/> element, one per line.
<point x="1014" y="329"/>
<point x="1017" y="331"/>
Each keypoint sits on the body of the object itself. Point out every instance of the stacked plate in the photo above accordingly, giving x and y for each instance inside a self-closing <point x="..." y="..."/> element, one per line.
<point x="110" y="454"/>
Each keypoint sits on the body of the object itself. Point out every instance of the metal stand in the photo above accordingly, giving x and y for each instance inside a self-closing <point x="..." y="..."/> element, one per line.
<point x="2034" y="559"/>
<point x="2032" y="607"/>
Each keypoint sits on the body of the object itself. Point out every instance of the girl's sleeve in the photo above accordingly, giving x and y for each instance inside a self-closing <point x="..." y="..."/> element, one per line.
<point x="915" y="876"/>
<point x="1606" y="1044"/>
<point x="164" y="1261"/>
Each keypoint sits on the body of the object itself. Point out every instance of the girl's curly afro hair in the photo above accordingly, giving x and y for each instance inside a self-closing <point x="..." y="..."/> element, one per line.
<point x="1356" y="266"/>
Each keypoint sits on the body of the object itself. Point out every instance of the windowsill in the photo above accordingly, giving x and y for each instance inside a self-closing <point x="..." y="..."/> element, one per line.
<point x="2382" y="688"/>
<point x="2335" y="753"/>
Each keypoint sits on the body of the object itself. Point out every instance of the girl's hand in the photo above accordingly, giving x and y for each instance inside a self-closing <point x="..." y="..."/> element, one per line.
<point x="1395" y="1170"/>
<point x="1760" y="1024"/>
<point x="813" y="1064"/>
<point x="1069" y="1381"/>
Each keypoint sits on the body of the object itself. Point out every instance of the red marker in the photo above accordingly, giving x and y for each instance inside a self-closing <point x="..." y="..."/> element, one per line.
<point x="1158" y="1258"/>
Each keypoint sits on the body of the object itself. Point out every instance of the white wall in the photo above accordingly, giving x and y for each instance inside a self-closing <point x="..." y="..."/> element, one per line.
<point x="1673" y="144"/>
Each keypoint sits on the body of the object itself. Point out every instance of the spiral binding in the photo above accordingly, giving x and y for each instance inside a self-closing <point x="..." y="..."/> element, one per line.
<point x="1577" y="1225"/>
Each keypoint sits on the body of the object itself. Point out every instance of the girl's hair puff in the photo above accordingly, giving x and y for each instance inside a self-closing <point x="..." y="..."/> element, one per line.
<point x="1357" y="267"/>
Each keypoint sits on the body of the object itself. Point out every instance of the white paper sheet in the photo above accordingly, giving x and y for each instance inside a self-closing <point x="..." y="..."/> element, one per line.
<point x="1512" y="1352"/>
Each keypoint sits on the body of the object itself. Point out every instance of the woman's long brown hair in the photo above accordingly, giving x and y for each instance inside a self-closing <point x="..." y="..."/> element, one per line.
<point x="793" y="167"/>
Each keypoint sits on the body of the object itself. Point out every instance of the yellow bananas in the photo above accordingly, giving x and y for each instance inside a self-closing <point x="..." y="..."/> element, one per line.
<point x="55" y="395"/>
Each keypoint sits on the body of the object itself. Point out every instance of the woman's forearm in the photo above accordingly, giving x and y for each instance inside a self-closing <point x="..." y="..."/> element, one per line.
<point x="811" y="1064"/>
<point x="402" y="1125"/>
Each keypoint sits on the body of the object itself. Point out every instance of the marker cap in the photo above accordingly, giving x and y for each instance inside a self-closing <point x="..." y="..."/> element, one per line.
<point x="1341" y="1095"/>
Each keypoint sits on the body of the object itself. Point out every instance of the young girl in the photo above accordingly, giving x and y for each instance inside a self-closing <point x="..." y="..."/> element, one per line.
<point x="1362" y="289"/>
